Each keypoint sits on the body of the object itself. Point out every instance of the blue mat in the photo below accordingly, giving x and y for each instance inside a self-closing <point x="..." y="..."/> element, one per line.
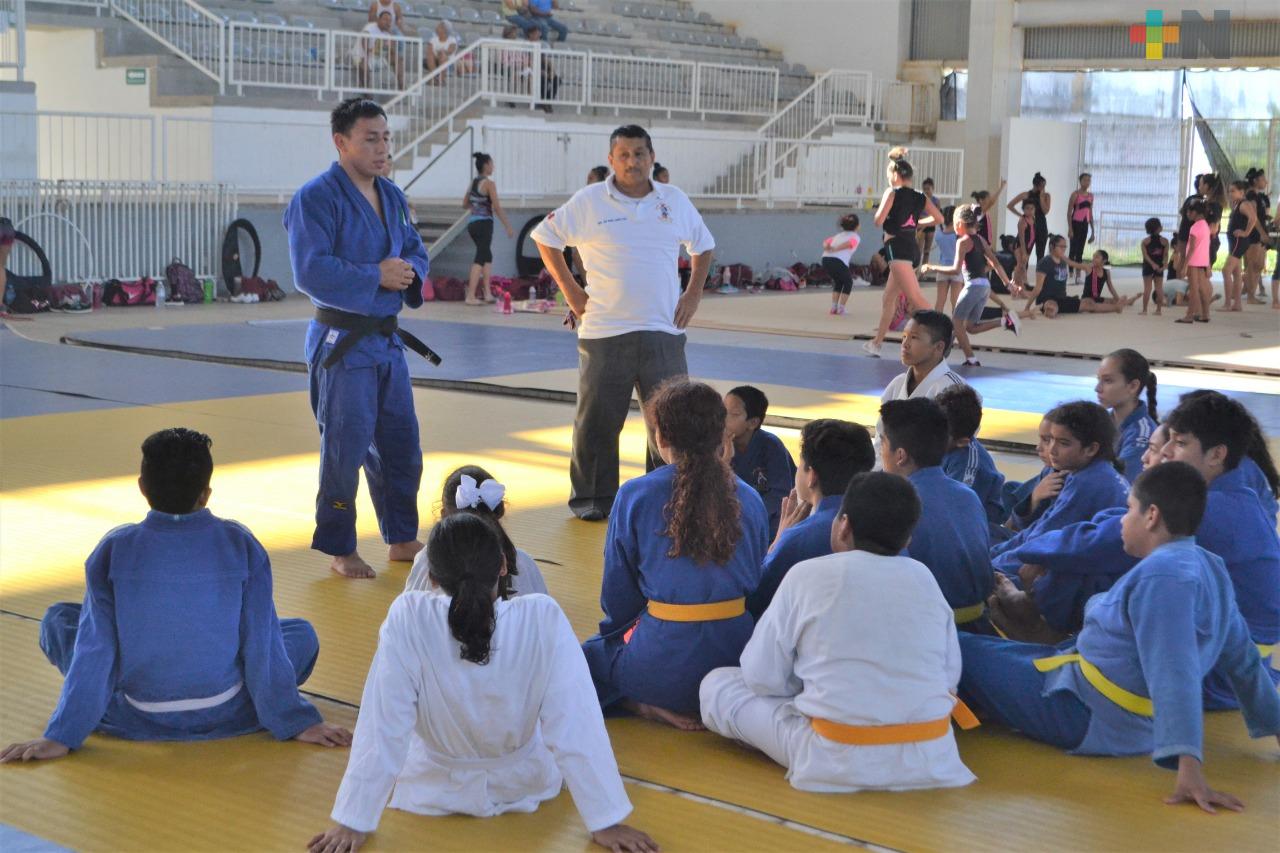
<point x="43" y="379"/>
<point x="478" y="351"/>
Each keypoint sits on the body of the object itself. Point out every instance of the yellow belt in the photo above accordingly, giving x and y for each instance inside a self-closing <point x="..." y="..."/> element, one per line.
<point x="1131" y="702"/>
<point x="903" y="733"/>
<point x="711" y="612"/>
<point x="970" y="613"/>
<point x="1265" y="649"/>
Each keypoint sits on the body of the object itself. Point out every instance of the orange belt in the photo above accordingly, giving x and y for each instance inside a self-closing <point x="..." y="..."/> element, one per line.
<point x="711" y="612"/>
<point x="904" y="733"/>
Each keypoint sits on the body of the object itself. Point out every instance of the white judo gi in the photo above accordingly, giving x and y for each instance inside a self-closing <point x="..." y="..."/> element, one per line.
<point x="935" y="382"/>
<point x="857" y="639"/>
<point x="527" y="579"/>
<point x="452" y="736"/>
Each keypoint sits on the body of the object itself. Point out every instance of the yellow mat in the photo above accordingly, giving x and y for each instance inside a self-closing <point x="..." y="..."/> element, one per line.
<point x="264" y="449"/>
<point x="255" y="793"/>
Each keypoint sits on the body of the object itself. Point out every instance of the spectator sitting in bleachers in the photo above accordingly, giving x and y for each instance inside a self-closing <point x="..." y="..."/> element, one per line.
<point x="376" y="52"/>
<point x="550" y="86"/>
<point x="540" y="14"/>
<point x="441" y="48"/>
<point x="516" y="13"/>
<point x="377" y="7"/>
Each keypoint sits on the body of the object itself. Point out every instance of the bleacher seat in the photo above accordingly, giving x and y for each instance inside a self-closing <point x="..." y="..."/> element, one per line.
<point x="752" y="43"/>
<point x="272" y="20"/>
<point x="447" y="13"/>
<point x="469" y="15"/>
<point x="704" y="18"/>
<point x="356" y="5"/>
<point x="299" y="21"/>
<point x="490" y="16"/>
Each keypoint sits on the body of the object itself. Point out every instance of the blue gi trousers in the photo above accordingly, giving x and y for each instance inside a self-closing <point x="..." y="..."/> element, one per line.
<point x="364" y="408"/>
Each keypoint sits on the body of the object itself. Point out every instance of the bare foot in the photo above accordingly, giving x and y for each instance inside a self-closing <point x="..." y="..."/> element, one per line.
<point x="404" y="552"/>
<point x="352" y="566"/>
<point x="1143" y="312"/>
<point x="662" y="715"/>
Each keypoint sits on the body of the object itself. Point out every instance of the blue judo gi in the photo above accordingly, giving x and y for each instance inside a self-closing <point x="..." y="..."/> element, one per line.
<point x="364" y="403"/>
<point x="973" y="466"/>
<point x="1087" y="558"/>
<point x="951" y="538"/>
<point x="1157" y="633"/>
<point x="1085" y="493"/>
<point x="178" y="612"/>
<point x="663" y="663"/>
<point x="767" y="466"/>
<point x="804" y="541"/>
<point x="1257" y="481"/>
<point x="1131" y="443"/>
<point x="1015" y="499"/>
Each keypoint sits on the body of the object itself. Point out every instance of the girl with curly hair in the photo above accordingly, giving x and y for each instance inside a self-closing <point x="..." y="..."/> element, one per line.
<point x="685" y="546"/>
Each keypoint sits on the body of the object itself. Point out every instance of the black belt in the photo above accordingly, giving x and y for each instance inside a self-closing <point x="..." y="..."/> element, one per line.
<point x="359" y="326"/>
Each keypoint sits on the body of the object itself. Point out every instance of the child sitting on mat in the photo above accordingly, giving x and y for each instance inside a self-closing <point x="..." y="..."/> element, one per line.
<point x="477" y="705"/>
<point x="951" y="538"/>
<point x="760" y="458"/>
<point x="1130" y="683"/>
<point x="966" y="459"/>
<point x="471" y="489"/>
<point x="177" y="638"/>
<point x="1026" y="501"/>
<point x="1123" y="377"/>
<point x="831" y="453"/>
<point x="849" y="679"/>
<point x="684" y="548"/>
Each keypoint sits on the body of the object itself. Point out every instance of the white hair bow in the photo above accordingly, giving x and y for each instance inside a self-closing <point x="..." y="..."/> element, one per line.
<point x="470" y="494"/>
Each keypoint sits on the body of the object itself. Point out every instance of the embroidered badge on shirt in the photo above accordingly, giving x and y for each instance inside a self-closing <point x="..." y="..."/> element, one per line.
<point x="332" y="337"/>
<point x="664" y="212"/>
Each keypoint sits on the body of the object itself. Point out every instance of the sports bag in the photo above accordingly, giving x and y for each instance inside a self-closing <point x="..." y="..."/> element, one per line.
<point x="449" y="289"/>
<point x="181" y="283"/>
<point x="118" y="293"/>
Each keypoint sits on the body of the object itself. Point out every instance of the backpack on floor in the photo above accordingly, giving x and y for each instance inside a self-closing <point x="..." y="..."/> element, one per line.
<point x="740" y="275"/>
<point x="267" y="290"/>
<point x="181" y="283"/>
<point x="814" y="273"/>
<point x="122" y="293"/>
<point x="449" y="289"/>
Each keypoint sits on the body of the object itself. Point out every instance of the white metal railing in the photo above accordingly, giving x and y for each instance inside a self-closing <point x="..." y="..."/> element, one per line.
<point x="536" y="162"/>
<point x="380" y="63"/>
<point x="279" y="57"/>
<point x="834" y="95"/>
<point x="634" y="82"/>
<point x="95" y="230"/>
<point x="78" y="146"/>
<point x="905" y="107"/>
<point x="13" y="36"/>
<point x="741" y="90"/>
<point x="185" y="27"/>
<point x="92" y="4"/>
<point x="434" y="101"/>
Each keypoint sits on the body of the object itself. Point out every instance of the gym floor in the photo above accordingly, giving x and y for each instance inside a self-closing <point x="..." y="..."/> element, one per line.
<point x="71" y="421"/>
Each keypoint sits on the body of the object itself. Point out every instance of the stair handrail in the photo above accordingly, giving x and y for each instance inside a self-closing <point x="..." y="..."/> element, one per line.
<point x="218" y="72"/>
<point x="469" y="132"/>
<point x="409" y="104"/>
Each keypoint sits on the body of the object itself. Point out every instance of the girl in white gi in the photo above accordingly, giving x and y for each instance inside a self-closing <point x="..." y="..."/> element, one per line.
<point x="1129" y="683"/>
<point x="472" y="489"/>
<point x="848" y="680"/>
<point x="477" y="705"/>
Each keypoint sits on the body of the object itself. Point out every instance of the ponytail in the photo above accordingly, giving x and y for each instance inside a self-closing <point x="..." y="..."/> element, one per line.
<point x="703" y="516"/>
<point x="466" y="560"/>
<point x="898" y="163"/>
<point x="491" y="514"/>
<point x="1135" y="367"/>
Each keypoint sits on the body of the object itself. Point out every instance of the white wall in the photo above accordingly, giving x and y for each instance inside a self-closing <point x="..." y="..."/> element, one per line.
<point x="862" y="35"/>
<point x="1033" y="145"/>
<point x="63" y="65"/>
<point x="18" y="131"/>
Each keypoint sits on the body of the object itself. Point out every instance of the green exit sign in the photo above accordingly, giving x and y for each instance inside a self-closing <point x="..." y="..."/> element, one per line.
<point x="135" y="76"/>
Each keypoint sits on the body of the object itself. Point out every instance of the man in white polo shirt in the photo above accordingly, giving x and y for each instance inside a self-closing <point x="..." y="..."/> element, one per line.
<point x="628" y="231"/>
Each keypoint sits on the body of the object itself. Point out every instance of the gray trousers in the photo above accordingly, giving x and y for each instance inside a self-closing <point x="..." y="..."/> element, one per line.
<point x="608" y="370"/>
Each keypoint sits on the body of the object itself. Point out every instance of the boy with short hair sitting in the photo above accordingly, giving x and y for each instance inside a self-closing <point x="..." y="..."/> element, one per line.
<point x="177" y="638"/>
<point x="951" y="538"/>
<point x="1130" y="682"/>
<point x="966" y="459"/>
<point x="831" y="453"/>
<point x="848" y="679"/>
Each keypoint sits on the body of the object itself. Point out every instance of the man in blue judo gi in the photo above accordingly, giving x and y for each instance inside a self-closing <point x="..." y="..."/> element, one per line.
<point x="356" y="253"/>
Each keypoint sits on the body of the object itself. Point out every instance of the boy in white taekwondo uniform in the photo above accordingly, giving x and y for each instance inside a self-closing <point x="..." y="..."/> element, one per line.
<point x="849" y="678"/>
<point x="926" y="343"/>
<point x="1129" y="683"/>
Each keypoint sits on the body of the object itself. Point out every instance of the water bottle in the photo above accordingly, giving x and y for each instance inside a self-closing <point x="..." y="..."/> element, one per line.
<point x="162" y="294"/>
<point x="506" y="302"/>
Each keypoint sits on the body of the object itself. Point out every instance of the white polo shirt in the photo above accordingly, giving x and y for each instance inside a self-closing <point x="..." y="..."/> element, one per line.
<point x="629" y="247"/>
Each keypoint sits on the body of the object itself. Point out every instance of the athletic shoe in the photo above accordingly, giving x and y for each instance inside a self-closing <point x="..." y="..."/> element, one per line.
<point x="835" y="309"/>
<point x="860" y="282"/>
<point x="840" y="310"/>
<point x="971" y="362"/>
<point x="871" y="349"/>
<point x="1013" y="322"/>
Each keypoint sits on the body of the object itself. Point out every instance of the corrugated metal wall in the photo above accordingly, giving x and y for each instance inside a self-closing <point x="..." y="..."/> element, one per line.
<point x="940" y="29"/>
<point x="1248" y="39"/>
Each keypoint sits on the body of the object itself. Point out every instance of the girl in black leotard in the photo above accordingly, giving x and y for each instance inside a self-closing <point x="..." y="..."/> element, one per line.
<point x="985" y="200"/>
<point x="1080" y="217"/>
<point x="1042" y="201"/>
<point x="1024" y="240"/>
<point x="901" y="209"/>
<point x="1155" y="254"/>
<point x="1255" y="258"/>
<point x="1242" y="235"/>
